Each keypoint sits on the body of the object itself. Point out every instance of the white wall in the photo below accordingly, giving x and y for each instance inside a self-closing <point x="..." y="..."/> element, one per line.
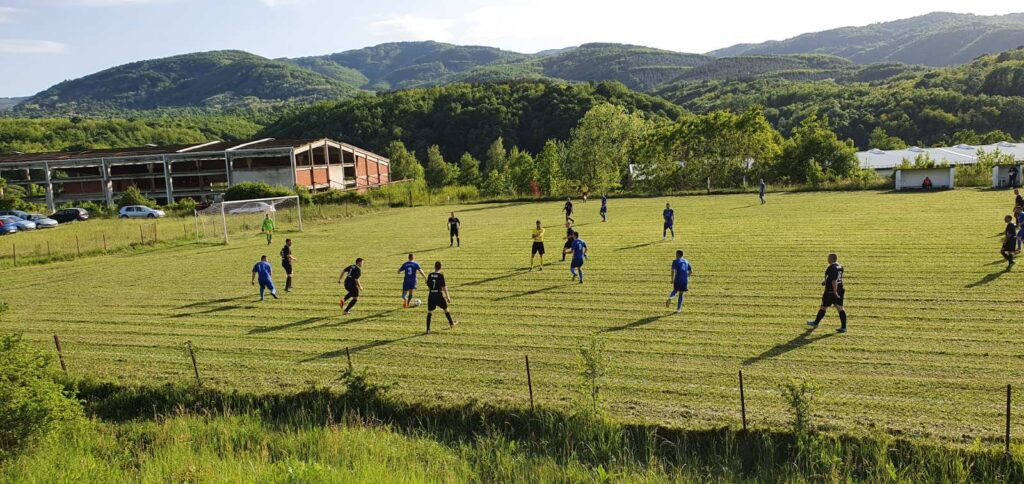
<point x="1001" y="176"/>
<point x="912" y="179"/>
<point x="272" y="176"/>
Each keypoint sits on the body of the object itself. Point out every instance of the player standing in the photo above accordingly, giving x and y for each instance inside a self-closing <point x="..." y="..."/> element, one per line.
<point x="681" y="270"/>
<point x="834" y="293"/>
<point x="670" y="219"/>
<point x="760" y="191"/>
<point x="568" y="211"/>
<point x="604" y="207"/>
<point x="351" y="276"/>
<point x="1018" y="200"/>
<point x="262" y="270"/>
<point x="409" y="270"/>
<point x="538" y="246"/>
<point x="1009" y="241"/>
<point x="439" y="297"/>
<point x="453" y="231"/>
<point x="286" y="262"/>
<point x="268" y="228"/>
<point x="568" y="240"/>
<point x="579" y="253"/>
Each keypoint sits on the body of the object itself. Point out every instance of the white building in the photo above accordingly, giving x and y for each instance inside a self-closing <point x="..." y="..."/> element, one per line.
<point x="885" y="161"/>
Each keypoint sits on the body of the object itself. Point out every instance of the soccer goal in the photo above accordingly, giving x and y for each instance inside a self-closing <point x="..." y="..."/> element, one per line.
<point x="248" y="218"/>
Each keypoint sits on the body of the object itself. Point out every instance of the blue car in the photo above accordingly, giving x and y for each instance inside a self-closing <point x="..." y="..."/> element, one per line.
<point x="22" y="224"/>
<point x="7" y="228"/>
<point x="15" y="213"/>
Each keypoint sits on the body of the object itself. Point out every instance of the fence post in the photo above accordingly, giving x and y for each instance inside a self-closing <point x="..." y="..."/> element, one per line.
<point x="60" y="354"/>
<point x="184" y="230"/>
<point x="195" y="366"/>
<point x="104" y="243"/>
<point x="743" y="403"/>
<point x="156" y="233"/>
<point x="14" y="250"/>
<point x="48" y="255"/>
<point x="349" y="357"/>
<point x="1008" y="394"/>
<point x="529" y="381"/>
<point x="142" y="236"/>
<point x="78" y="246"/>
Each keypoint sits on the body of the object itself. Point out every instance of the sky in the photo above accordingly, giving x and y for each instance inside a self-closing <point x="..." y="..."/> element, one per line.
<point x="43" y="42"/>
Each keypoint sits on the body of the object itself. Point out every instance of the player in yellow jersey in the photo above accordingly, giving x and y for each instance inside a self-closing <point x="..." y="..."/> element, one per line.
<point x="538" y="246"/>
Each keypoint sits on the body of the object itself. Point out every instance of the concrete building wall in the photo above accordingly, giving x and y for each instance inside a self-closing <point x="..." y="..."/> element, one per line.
<point x="912" y="179"/>
<point x="271" y="176"/>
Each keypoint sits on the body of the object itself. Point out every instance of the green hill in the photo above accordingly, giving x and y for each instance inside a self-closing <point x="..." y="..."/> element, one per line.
<point x="207" y="79"/>
<point x="9" y="102"/>
<point x="935" y="39"/>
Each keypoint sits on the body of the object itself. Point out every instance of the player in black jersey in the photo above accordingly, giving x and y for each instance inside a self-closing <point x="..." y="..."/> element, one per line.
<point x="568" y="211"/>
<point x="567" y="247"/>
<point x="834" y="293"/>
<point x="438" y="297"/>
<point x="453" y="231"/>
<point x="1009" y="241"/>
<point x="350" y="275"/>
<point x="286" y="262"/>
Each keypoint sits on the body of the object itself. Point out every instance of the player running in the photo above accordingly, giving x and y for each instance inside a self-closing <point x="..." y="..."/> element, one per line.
<point x="453" y="231"/>
<point x="579" y="253"/>
<point x="604" y="207"/>
<point x="538" y="246"/>
<point x="568" y="240"/>
<point x="262" y="271"/>
<point x="439" y="297"/>
<point x="681" y="270"/>
<point x="568" y="211"/>
<point x="409" y="269"/>
<point x="760" y="191"/>
<point x="350" y="275"/>
<point x="286" y="263"/>
<point x="834" y="293"/>
<point x="268" y="228"/>
<point x="1009" y="241"/>
<point x="1018" y="200"/>
<point x="670" y="219"/>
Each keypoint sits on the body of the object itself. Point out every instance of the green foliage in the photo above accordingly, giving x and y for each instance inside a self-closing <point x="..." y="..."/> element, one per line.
<point x="132" y="196"/>
<point x="252" y="190"/>
<point x="469" y="171"/>
<point x="404" y="165"/>
<point x="523" y="171"/>
<point x="799" y="396"/>
<point x="41" y="135"/>
<point x="440" y="173"/>
<point x="602" y="146"/>
<point x="881" y="140"/>
<point x="549" y="169"/>
<point x="813" y="143"/>
<point x="32" y="403"/>
<point x="592" y="363"/>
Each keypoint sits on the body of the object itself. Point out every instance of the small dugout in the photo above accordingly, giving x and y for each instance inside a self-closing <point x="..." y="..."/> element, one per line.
<point x="1006" y="176"/>
<point x="914" y="178"/>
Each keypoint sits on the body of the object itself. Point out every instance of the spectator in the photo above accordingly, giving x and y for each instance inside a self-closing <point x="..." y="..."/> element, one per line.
<point x="927" y="183"/>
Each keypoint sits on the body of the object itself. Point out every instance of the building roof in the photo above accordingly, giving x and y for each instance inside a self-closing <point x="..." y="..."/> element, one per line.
<point x="952" y="155"/>
<point x="266" y="144"/>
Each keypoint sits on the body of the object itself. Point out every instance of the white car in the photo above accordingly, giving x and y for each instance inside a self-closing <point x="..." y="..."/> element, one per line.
<point x="140" y="211"/>
<point x="253" y="207"/>
<point x="17" y="222"/>
<point x="42" y="221"/>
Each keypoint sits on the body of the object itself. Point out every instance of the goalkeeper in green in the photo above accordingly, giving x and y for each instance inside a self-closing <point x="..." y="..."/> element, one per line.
<point x="268" y="228"/>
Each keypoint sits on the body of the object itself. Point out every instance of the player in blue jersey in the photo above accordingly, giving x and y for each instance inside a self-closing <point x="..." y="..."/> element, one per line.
<point x="604" y="207"/>
<point x="681" y="270"/>
<point x="409" y="271"/>
<point x="579" y="254"/>
<point x="262" y="271"/>
<point x="670" y="220"/>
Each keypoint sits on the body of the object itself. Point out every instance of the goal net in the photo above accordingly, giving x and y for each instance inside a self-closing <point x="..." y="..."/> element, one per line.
<point x="246" y="218"/>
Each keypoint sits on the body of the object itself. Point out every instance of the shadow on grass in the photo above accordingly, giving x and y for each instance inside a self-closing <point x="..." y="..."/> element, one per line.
<point x="347" y="321"/>
<point x="803" y="339"/>
<point x="493" y="206"/>
<point x="638" y="246"/>
<point x="530" y="293"/>
<point x="218" y="309"/>
<point x="988" y="279"/>
<point x="517" y="272"/>
<point x="212" y="302"/>
<point x="356" y="349"/>
<point x="421" y="251"/>
<point x="301" y="322"/>
<point x="636" y="324"/>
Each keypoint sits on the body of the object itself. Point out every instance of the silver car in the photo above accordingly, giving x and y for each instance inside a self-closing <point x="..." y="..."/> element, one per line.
<point x="42" y="221"/>
<point x="140" y="211"/>
<point x="21" y="224"/>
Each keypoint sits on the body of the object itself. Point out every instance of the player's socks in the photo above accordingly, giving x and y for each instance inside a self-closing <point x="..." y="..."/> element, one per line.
<point x="679" y="304"/>
<point x="819" y="317"/>
<point x="842" y="320"/>
<point x="349" y="307"/>
<point x="429" y="315"/>
<point x="581" y="276"/>
<point x="450" y="321"/>
<point x="274" y="293"/>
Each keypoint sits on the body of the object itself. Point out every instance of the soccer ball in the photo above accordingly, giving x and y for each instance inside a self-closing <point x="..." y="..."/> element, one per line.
<point x="417" y="302"/>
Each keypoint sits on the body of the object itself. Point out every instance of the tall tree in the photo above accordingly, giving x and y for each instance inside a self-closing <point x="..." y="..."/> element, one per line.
<point x="549" y="169"/>
<point x="440" y="173"/>
<point x="601" y="146"/>
<point x="404" y="165"/>
<point x="814" y="141"/>
<point x="470" y="170"/>
<point x="523" y="170"/>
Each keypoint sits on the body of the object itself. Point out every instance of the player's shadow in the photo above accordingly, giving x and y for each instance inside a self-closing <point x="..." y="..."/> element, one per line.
<point x="638" y="246"/>
<point x="495" y="278"/>
<point x="492" y="207"/>
<point x="746" y="206"/>
<point x="348" y="321"/>
<point x="988" y="279"/>
<point x="356" y="349"/>
<point x="212" y="302"/>
<point x="803" y="339"/>
<point x="421" y="251"/>
<point x="636" y="324"/>
<point x="280" y="327"/>
<point x="218" y="309"/>
<point x="530" y="293"/>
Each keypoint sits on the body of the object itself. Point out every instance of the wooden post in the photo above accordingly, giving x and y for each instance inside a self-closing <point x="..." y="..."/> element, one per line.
<point x="156" y="233"/>
<point x="78" y="246"/>
<point x="743" y="403"/>
<point x="349" y="357"/>
<point x="60" y="354"/>
<point x="529" y="381"/>
<point x="184" y="230"/>
<point x="1008" y="394"/>
<point x="104" y="243"/>
<point x="142" y="237"/>
<point x="14" y="250"/>
<point x="48" y="255"/>
<point x="195" y="366"/>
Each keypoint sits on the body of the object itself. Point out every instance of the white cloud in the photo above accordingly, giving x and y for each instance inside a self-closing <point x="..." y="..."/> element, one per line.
<point x="7" y="14"/>
<point x="413" y="27"/>
<point x="23" y="46"/>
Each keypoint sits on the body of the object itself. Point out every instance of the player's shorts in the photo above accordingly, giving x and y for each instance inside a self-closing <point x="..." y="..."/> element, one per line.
<point x="287" y="267"/>
<point x="667" y="225"/>
<point x="576" y="262"/>
<point x="268" y="285"/>
<point x="453" y="232"/>
<point x="1009" y="245"/>
<point x="681" y="286"/>
<point x="436" y="300"/>
<point x="352" y="287"/>
<point x="830" y="299"/>
<point x="538" y="248"/>
<point x="604" y="209"/>
<point x="568" y="244"/>
<point x="408" y="285"/>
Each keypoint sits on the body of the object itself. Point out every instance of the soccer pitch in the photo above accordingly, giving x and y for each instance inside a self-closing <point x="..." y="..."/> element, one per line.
<point x="935" y="327"/>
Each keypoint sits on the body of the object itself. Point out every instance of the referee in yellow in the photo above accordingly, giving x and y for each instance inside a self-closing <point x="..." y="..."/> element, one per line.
<point x="538" y="246"/>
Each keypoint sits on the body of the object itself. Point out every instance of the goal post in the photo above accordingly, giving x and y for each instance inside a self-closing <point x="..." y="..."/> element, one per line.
<point x="241" y="218"/>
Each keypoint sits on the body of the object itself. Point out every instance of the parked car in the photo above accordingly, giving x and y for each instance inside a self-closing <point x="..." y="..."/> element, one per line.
<point x="14" y="213"/>
<point x="253" y="207"/>
<point x="7" y="228"/>
<point x="42" y="221"/>
<point x="21" y="224"/>
<point x="140" y="211"/>
<point x="71" y="215"/>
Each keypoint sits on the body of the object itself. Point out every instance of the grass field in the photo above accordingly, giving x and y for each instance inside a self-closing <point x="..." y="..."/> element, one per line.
<point x="935" y="331"/>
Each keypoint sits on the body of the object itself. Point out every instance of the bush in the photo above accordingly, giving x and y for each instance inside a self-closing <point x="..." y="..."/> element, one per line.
<point x="338" y="197"/>
<point x="132" y="196"/>
<point x="32" y="403"/>
<point x="251" y="190"/>
<point x="185" y="206"/>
